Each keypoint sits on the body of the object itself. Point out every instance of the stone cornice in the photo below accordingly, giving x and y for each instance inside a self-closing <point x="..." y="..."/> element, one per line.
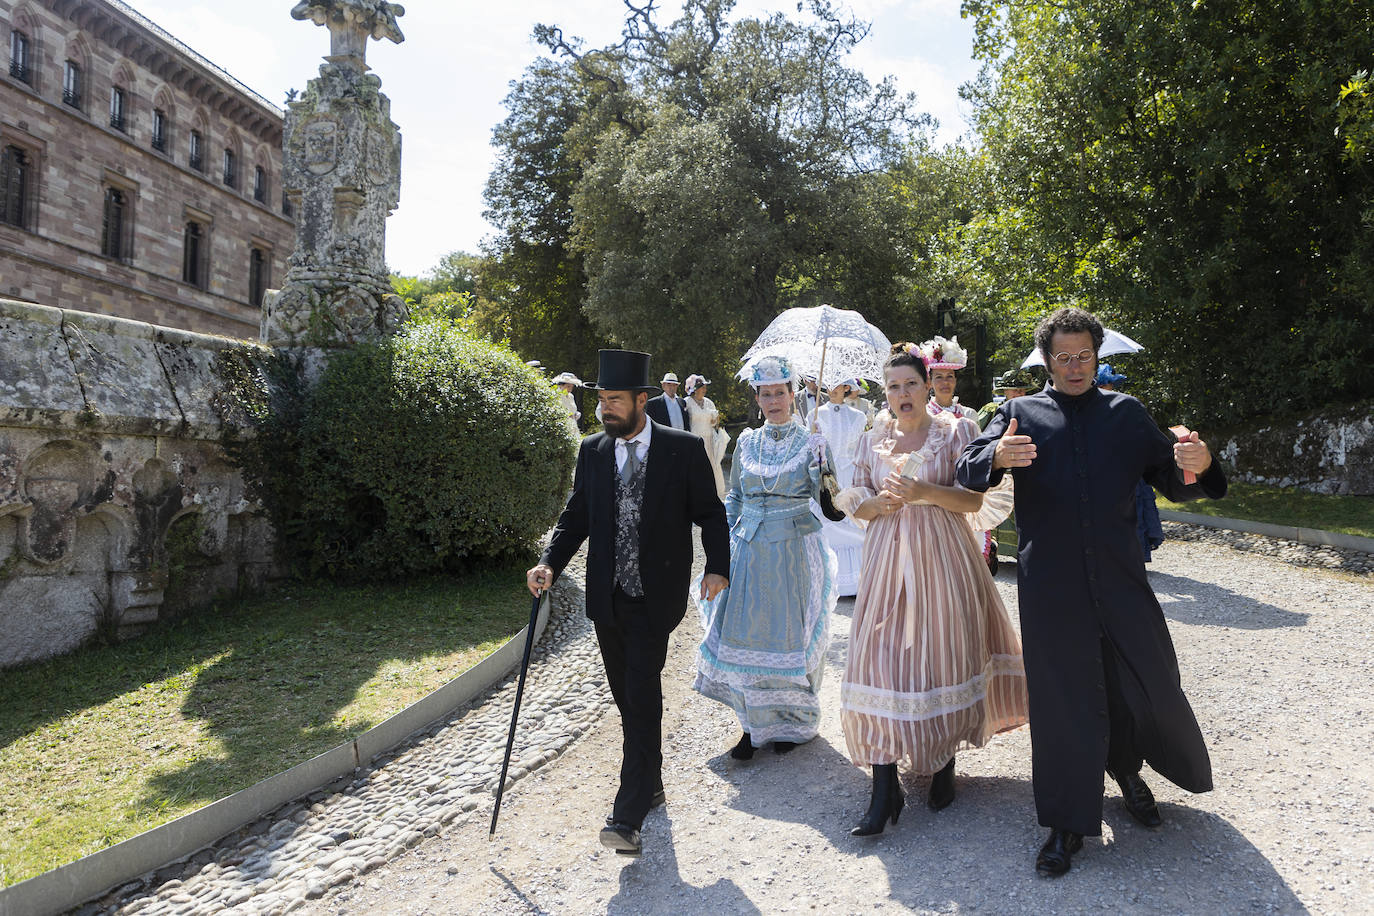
<point x="141" y="40"/>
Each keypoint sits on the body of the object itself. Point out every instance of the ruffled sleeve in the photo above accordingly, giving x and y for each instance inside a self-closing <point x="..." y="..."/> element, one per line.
<point x="864" y="485"/>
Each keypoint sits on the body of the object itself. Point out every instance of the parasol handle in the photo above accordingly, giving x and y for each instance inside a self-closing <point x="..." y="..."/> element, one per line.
<point x="820" y="380"/>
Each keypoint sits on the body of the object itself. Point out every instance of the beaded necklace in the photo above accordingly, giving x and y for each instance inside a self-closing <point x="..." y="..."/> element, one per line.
<point x="778" y="452"/>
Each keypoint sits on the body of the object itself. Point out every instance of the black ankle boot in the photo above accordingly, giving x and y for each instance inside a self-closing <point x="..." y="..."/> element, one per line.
<point x="942" y="788"/>
<point x="784" y="747"/>
<point x="886" y="803"/>
<point x="744" y="750"/>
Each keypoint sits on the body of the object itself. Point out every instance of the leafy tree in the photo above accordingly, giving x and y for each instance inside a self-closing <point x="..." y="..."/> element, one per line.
<point x="1190" y="170"/>
<point x="684" y="185"/>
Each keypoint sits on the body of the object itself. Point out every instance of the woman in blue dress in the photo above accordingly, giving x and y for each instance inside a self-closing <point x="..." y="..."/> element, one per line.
<point x="763" y="652"/>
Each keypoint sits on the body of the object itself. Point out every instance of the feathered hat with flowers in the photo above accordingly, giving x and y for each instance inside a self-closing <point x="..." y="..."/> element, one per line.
<point x="771" y="370"/>
<point x="943" y="354"/>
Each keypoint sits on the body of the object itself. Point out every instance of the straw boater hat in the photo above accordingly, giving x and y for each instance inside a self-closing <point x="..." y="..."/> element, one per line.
<point x="943" y="354"/>
<point x="567" y="378"/>
<point x="669" y="377"/>
<point x="622" y="370"/>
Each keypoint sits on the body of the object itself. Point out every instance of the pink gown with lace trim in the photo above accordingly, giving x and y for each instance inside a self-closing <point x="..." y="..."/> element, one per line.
<point x="934" y="664"/>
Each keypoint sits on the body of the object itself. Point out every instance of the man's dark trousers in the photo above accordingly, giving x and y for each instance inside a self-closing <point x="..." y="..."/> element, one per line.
<point x="634" y="651"/>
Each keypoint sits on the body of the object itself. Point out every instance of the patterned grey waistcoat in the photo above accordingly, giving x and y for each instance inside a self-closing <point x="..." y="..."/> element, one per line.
<point x="629" y="498"/>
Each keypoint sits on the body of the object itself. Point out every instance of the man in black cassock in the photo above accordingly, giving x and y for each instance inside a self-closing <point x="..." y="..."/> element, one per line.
<point x="1100" y="666"/>
<point x="638" y="489"/>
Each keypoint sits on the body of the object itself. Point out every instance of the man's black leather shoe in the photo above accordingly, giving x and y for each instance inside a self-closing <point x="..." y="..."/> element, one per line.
<point x="1139" y="801"/>
<point x="623" y="838"/>
<point x="1056" y="855"/>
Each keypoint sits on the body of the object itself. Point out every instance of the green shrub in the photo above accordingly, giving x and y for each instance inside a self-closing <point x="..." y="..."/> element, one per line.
<point x="430" y="451"/>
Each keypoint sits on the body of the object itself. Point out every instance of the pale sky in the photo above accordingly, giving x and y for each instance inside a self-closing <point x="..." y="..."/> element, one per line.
<point x="447" y="80"/>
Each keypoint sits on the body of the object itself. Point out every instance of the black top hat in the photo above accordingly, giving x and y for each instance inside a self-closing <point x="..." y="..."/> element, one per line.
<point x="622" y="370"/>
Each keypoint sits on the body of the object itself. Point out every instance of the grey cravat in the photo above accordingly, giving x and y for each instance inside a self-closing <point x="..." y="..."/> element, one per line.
<point x="631" y="461"/>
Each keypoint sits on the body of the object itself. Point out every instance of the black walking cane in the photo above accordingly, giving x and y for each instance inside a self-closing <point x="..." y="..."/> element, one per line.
<point x="515" y="713"/>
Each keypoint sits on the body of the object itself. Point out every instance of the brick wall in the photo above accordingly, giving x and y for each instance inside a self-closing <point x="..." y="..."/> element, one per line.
<point x="74" y="155"/>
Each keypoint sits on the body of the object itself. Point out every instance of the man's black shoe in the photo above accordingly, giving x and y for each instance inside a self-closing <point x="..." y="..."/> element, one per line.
<point x="621" y="837"/>
<point x="1139" y="801"/>
<point x="1056" y="855"/>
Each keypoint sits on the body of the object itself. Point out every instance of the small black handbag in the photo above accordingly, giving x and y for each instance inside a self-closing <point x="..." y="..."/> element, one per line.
<point x="830" y="488"/>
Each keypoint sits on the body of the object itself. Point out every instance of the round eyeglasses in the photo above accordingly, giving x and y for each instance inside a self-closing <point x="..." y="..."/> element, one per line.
<point x="1083" y="357"/>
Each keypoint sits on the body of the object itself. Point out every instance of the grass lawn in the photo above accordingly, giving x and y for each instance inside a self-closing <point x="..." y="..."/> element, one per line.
<point x="1345" y="514"/>
<point x="100" y="745"/>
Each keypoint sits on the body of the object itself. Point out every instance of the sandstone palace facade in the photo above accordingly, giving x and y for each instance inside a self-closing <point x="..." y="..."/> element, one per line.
<point x="136" y="177"/>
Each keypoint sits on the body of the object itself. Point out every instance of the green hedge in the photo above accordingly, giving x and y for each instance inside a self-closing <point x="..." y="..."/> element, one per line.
<point x="430" y="451"/>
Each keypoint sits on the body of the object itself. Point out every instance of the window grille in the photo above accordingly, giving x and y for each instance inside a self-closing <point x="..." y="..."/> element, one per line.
<point x="71" y="84"/>
<point x="19" y="56"/>
<point x="159" y="130"/>
<point x="259" y="184"/>
<point x="197" y="157"/>
<point x="231" y="168"/>
<point x="116" y="107"/>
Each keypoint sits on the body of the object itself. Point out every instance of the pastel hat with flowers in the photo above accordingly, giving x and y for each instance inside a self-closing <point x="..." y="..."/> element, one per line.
<point x="696" y="381"/>
<point x="771" y="370"/>
<point x="943" y="354"/>
<point x="567" y="378"/>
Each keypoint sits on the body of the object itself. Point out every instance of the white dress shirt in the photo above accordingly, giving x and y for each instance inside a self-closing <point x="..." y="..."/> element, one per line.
<point x="674" y="413"/>
<point x="640" y="443"/>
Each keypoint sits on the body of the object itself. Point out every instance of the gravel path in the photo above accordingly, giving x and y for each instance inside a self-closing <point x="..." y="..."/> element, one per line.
<point x="1275" y="658"/>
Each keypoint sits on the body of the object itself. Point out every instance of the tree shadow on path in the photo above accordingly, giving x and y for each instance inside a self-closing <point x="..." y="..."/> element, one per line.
<point x="1202" y="603"/>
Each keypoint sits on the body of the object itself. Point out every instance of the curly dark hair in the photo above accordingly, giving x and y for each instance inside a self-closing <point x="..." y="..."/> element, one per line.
<point x="902" y="355"/>
<point x="1067" y="321"/>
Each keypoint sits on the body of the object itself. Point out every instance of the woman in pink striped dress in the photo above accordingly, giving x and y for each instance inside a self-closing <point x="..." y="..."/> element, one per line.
<point x="934" y="664"/>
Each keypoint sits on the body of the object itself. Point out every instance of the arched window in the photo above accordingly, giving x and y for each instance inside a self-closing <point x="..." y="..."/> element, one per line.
<point x="23" y="40"/>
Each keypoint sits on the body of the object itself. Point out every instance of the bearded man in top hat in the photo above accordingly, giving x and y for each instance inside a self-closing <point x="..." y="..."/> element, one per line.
<point x="668" y="409"/>
<point x="637" y="490"/>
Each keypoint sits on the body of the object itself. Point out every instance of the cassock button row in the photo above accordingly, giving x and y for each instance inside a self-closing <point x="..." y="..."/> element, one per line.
<point x="1085" y="497"/>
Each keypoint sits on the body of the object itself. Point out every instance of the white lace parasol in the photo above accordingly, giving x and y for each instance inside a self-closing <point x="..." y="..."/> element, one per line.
<point x="852" y="348"/>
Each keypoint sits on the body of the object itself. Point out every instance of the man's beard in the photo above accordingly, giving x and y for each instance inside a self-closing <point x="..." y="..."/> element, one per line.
<point x="617" y="429"/>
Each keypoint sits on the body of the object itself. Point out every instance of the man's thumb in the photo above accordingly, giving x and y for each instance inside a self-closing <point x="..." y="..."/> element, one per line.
<point x="1011" y="427"/>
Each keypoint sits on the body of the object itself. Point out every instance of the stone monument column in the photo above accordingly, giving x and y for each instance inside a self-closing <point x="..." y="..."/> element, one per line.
<point x="342" y="173"/>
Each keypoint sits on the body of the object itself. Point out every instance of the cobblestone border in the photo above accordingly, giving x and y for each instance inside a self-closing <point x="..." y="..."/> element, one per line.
<point x="444" y="774"/>
<point x="1323" y="556"/>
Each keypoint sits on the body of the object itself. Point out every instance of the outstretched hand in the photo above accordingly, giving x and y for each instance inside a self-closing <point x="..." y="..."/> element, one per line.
<point x="1013" y="451"/>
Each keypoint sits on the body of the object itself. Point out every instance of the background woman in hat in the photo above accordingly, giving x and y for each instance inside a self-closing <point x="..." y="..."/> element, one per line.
<point x="763" y="652"/>
<point x="567" y="384"/>
<point x="704" y="420"/>
<point x="943" y="358"/>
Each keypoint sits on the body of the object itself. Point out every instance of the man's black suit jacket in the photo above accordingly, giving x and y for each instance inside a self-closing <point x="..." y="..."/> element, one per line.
<point x="679" y="491"/>
<point x="657" y="409"/>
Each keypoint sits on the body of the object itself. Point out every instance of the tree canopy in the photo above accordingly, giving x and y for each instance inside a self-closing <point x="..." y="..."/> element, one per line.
<point x="1195" y="171"/>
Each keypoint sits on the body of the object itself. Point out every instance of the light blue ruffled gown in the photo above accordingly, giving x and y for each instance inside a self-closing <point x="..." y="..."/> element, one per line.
<point x="766" y="634"/>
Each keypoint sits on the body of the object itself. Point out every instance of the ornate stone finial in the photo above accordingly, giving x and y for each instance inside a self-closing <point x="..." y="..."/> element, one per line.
<point x="341" y="170"/>
<point x="351" y="23"/>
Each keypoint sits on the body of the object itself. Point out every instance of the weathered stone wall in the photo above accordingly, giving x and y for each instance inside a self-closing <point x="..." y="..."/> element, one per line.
<point x="1327" y="451"/>
<point x="117" y="504"/>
